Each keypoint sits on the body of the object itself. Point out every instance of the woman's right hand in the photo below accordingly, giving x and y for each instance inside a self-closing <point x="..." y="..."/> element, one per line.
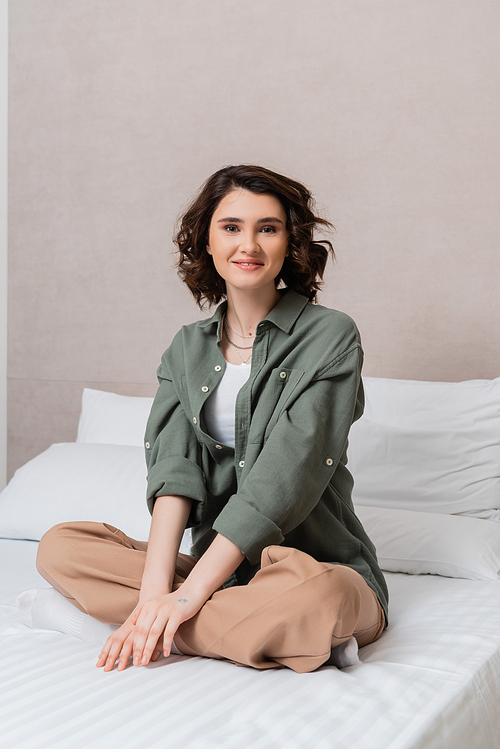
<point x="150" y="629"/>
<point x="159" y="620"/>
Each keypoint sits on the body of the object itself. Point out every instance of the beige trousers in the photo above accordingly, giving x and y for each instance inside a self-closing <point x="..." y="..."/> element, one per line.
<point x="291" y="613"/>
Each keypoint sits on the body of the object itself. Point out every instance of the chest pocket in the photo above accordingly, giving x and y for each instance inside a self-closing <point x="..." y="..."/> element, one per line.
<point x="274" y="398"/>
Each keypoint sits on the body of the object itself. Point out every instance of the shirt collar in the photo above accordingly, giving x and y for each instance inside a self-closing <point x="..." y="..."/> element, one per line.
<point x="288" y="309"/>
<point x="216" y="318"/>
<point x="283" y="315"/>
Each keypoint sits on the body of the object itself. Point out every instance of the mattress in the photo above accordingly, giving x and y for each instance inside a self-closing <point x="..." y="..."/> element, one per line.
<point x="431" y="682"/>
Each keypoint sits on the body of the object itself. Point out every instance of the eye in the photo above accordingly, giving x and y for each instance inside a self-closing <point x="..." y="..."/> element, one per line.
<point x="269" y="229"/>
<point x="231" y="228"/>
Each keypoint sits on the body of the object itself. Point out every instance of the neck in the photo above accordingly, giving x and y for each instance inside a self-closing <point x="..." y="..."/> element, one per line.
<point x="245" y="310"/>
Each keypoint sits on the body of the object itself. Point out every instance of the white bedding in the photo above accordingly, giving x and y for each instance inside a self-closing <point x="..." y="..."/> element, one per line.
<point x="423" y="452"/>
<point x="431" y="682"/>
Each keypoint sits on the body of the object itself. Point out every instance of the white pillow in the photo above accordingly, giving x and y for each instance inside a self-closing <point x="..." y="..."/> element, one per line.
<point x="430" y="543"/>
<point x="109" y="418"/>
<point x="71" y="481"/>
<point x="429" y="446"/>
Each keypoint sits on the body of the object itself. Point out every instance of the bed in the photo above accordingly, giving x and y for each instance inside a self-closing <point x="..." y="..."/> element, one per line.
<point x="426" y="459"/>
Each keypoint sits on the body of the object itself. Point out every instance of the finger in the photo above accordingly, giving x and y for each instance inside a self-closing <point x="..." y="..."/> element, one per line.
<point x="103" y="655"/>
<point x="135" y="615"/>
<point x="126" y="652"/>
<point x="151" y="643"/>
<point x="112" y="656"/>
<point x="168" y="636"/>
<point x="143" y="635"/>
<point x="101" y="658"/>
<point x="156" y="654"/>
<point x="114" y="653"/>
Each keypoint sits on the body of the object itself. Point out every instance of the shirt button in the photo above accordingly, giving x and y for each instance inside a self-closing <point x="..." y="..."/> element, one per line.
<point x="148" y="445"/>
<point x="204" y="389"/>
<point x="329" y="462"/>
<point x="195" y="420"/>
<point x="218" y="368"/>
<point x="218" y="447"/>
<point x="241" y="463"/>
<point x="283" y="375"/>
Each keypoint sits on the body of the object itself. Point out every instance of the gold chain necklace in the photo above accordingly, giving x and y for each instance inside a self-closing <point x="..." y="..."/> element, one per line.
<point x="244" y="361"/>
<point x="233" y="330"/>
<point x="242" y="348"/>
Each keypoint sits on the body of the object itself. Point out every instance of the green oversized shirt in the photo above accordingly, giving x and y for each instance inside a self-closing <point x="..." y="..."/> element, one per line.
<point x="286" y="481"/>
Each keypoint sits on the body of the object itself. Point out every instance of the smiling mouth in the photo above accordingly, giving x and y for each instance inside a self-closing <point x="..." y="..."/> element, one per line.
<point x="248" y="264"/>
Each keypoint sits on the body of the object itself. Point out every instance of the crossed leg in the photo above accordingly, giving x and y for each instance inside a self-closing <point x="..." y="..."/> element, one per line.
<point x="291" y="613"/>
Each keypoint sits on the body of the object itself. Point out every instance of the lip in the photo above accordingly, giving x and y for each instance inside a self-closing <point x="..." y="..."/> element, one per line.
<point x="248" y="264"/>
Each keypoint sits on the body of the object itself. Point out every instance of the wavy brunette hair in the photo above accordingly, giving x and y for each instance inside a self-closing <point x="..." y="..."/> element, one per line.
<point x="305" y="263"/>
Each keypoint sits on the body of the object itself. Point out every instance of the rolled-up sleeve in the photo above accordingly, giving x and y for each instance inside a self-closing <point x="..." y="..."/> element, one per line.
<point x="172" y="450"/>
<point x="298" y="459"/>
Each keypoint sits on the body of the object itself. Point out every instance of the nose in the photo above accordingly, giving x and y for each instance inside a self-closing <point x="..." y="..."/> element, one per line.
<point x="249" y="244"/>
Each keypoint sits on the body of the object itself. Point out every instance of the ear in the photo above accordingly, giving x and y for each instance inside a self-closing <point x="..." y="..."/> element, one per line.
<point x="209" y="250"/>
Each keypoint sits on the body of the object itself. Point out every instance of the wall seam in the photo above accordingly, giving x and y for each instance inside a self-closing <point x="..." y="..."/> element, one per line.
<point x="3" y="236"/>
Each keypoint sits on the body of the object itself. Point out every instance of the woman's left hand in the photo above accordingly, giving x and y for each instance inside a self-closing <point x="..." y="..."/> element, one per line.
<point x="149" y="630"/>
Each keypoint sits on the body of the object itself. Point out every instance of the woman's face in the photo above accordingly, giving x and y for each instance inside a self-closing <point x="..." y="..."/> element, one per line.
<point x="248" y="240"/>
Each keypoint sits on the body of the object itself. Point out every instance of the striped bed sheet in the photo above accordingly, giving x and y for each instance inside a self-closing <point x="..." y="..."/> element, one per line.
<point x="431" y="682"/>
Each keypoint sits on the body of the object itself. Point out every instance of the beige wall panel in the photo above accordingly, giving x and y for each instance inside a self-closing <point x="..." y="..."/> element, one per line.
<point x="119" y="109"/>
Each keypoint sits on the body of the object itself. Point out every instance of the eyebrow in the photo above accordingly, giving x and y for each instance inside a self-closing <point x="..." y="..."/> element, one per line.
<point x="234" y="220"/>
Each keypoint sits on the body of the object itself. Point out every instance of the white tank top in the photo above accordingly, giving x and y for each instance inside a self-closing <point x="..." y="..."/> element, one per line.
<point x="219" y="408"/>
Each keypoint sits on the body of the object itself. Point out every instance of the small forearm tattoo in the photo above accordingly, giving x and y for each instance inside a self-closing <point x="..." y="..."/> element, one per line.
<point x="182" y="600"/>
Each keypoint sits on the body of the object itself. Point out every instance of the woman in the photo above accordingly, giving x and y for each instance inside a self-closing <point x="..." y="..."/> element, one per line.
<point x="246" y="443"/>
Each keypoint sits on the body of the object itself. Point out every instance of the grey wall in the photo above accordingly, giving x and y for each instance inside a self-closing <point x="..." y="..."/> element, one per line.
<point x="119" y="109"/>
